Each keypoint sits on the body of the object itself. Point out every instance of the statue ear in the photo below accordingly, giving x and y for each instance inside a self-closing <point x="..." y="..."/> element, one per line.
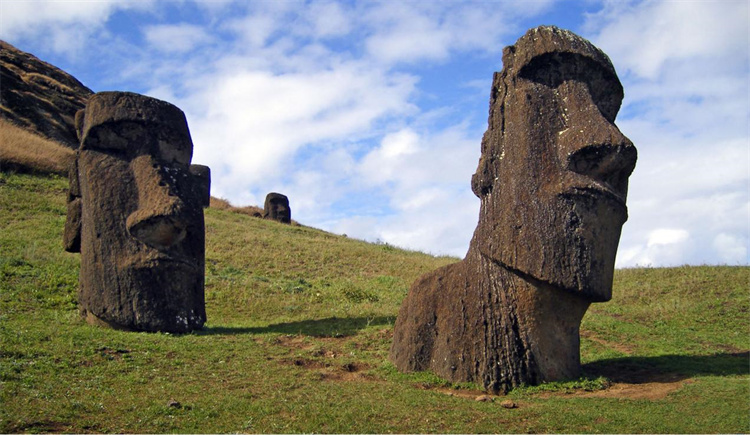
<point x="79" y="123"/>
<point x="483" y="180"/>
<point x="72" y="233"/>
<point x="202" y="179"/>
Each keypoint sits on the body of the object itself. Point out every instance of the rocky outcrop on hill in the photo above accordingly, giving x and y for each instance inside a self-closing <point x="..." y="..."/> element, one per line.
<point x="39" y="97"/>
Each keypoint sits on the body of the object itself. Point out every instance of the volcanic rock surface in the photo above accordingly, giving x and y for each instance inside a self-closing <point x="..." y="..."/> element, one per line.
<point x="552" y="179"/>
<point x="39" y="97"/>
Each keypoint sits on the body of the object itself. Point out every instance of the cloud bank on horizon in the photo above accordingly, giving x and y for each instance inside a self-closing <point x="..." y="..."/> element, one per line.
<point x="369" y="115"/>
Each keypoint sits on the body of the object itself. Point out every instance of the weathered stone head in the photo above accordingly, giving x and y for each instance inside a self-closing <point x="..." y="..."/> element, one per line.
<point x="135" y="213"/>
<point x="277" y="208"/>
<point x="552" y="180"/>
<point x="553" y="175"/>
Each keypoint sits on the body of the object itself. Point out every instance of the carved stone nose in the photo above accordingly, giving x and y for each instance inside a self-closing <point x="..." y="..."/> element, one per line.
<point x="158" y="231"/>
<point x="610" y="164"/>
<point x="591" y="144"/>
<point x="159" y="221"/>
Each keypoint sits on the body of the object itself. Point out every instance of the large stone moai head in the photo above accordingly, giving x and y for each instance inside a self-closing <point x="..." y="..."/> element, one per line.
<point x="277" y="208"/>
<point x="553" y="174"/>
<point x="135" y="213"/>
<point x="552" y="180"/>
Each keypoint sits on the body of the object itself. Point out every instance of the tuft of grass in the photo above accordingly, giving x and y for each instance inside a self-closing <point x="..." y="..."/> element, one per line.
<point x="300" y="323"/>
<point x="23" y="151"/>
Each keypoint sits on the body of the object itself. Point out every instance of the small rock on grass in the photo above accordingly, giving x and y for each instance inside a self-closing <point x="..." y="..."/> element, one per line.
<point x="508" y="404"/>
<point x="484" y="398"/>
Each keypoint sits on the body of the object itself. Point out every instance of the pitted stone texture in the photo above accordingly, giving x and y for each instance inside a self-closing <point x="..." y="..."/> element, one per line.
<point x="135" y="214"/>
<point x="277" y="208"/>
<point x="552" y="179"/>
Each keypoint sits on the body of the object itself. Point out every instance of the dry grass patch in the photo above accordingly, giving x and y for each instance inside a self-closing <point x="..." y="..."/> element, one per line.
<point x="250" y="210"/>
<point x="23" y="151"/>
<point x="223" y="204"/>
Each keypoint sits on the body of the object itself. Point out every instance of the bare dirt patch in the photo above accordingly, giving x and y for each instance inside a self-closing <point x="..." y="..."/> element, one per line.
<point x="323" y="357"/>
<point x="302" y="342"/>
<point x="328" y="370"/>
<point x="43" y="426"/>
<point x="631" y="382"/>
<point x="620" y="347"/>
<point x="455" y="392"/>
<point x="646" y="391"/>
<point x="112" y="354"/>
<point x="349" y="372"/>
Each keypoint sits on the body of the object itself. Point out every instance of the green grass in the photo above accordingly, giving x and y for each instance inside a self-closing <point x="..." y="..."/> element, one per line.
<point x="299" y="327"/>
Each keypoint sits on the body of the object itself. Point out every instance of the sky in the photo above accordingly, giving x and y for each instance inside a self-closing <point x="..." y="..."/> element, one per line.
<point x="369" y="115"/>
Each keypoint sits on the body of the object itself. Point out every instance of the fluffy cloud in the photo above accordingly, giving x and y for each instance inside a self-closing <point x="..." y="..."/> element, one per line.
<point x="426" y="176"/>
<point x="413" y="32"/>
<point x="178" y="38"/>
<point x="64" y="27"/>
<point x="646" y="36"/>
<point x="684" y="69"/>
<point x="328" y="19"/>
<point x="250" y="124"/>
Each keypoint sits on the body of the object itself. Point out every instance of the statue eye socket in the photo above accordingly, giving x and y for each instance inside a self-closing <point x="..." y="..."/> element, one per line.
<point x="553" y="69"/>
<point x="103" y="138"/>
<point x="119" y="138"/>
<point x="173" y="151"/>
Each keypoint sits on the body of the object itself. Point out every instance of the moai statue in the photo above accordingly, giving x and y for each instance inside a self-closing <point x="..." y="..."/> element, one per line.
<point x="277" y="208"/>
<point x="135" y="213"/>
<point x="552" y="180"/>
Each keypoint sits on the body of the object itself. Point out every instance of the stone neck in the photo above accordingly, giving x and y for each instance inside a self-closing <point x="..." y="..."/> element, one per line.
<point x="548" y="320"/>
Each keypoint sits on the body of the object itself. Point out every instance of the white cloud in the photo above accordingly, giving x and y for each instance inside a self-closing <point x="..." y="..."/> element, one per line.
<point x="435" y="221"/>
<point x="329" y="19"/>
<point x="414" y="32"/>
<point x="684" y="66"/>
<point x="666" y="236"/>
<point x="27" y="16"/>
<point x="388" y="160"/>
<point x="643" y="37"/>
<point x="731" y="248"/>
<point x="253" y="122"/>
<point x="176" y="38"/>
<point x="65" y="27"/>
<point x="264" y="20"/>
<point x="427" y="176"/>
<point x="667" y="246"/>
<point x="700" y="188"/>
<point x="406" y="34"/>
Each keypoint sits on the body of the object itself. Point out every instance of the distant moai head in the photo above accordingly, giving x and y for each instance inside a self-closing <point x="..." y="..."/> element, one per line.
<point x="553" y="174"/>
<point x="135" y="213"/>
<point x="277" y="208"/>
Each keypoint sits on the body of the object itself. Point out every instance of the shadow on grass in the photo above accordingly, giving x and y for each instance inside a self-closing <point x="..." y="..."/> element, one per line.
<point x="669" y="368"/>
<point x="329" y="327"/>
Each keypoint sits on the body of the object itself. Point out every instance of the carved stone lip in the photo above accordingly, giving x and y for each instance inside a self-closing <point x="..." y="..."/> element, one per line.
<point x="598" y="191"/>
<point x="163" y="260"/>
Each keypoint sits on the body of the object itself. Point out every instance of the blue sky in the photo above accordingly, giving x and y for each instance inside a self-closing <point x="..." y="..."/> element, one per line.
<point x="369" y="115"/>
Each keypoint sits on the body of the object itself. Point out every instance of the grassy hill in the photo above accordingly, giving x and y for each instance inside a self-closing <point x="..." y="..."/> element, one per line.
<point x="299" y="326"/>
<point x="24" y="151"/>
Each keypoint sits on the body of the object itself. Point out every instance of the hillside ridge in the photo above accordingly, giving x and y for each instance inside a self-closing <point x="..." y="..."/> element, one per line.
<point x="39" y="96"/>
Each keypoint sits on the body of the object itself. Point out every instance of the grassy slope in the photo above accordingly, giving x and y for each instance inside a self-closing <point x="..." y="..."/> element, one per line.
<point x="21" y="149"/>
<point x="298" y="334"/>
